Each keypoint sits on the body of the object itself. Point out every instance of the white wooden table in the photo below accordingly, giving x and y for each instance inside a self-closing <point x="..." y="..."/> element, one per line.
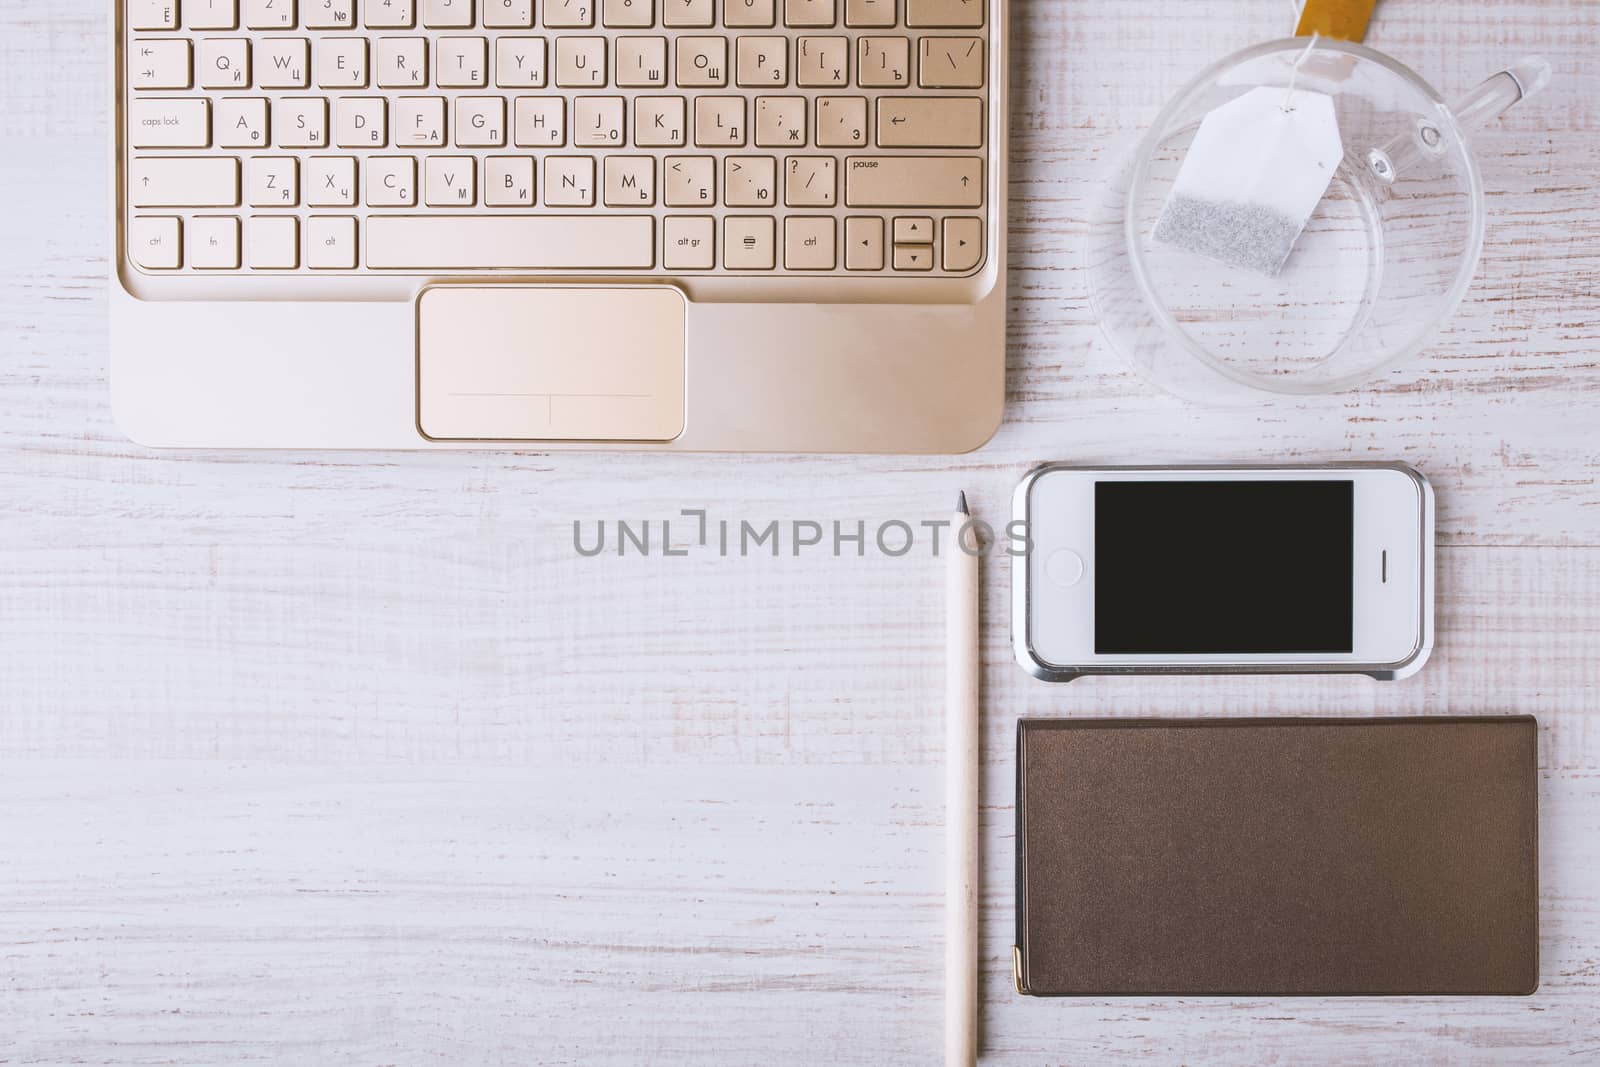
<point x="351" y="759"/>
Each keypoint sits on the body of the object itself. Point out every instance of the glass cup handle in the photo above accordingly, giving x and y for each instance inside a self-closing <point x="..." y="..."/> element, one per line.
<point x="1496" y="95"/>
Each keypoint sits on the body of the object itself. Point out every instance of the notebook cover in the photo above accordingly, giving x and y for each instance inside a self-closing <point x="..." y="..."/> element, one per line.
<point x="1277" y="856"/>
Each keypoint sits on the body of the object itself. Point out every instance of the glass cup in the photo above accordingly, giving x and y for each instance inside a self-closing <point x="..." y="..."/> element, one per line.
<point x="1387" y="256"/>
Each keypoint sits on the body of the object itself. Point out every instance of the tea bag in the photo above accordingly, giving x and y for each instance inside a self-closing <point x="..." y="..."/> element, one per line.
<point x="1257" y="169"/>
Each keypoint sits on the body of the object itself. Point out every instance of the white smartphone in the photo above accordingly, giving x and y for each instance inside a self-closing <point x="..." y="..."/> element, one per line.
<point x="1224" y="570"/>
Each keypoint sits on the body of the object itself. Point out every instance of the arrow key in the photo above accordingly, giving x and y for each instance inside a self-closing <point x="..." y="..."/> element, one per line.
<point x="963" y="243"/>
<point x="863" y="243"/>
<point x="913" y="257"/>
<point x="913" y="230"/>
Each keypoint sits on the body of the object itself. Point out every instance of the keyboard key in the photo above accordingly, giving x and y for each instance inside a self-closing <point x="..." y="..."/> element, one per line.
<point x="913" y="257"/>
<point x="450" y="181"/>
<point x="569" y="181"/>
<point x="626" y="14"/>
<point x="389" y="14"/>
<point x="300" y="122"/>
<point x="402" y="63"/>
<point x="581" y="62"/>
<point x="274" y="181"/>
<point x="749" y="181"/>
<point x="689" y="242"/>
<point x="213" y="242"/>
<point x="808" y="242"/>
<point x="330" y="242"/>
<point x="867" y="14"/>
<point x="951" y="63"/>
<point x="749" y="242"/>
<point x="930" y="122"/>
<point x="342" y="63"/>
<point x="153" y="14"/>
<point x="184" y="181"/>
<point x="508" y="14"/>
<point x="953" y="14"/>
<point x="658" y="122"/>
<point x="274" y="242"/>
<point x="159" y="64"/>
<point x="418" y="121"/>
<point x="153" y="242"/>
<point x="461" y="62"/>
<point x="841" y="121"/>
<point x="597" y="121"/>
<point x="763" y="62"/>
<point x="391" y="181"/>
<point x="284" y="62"/>
<point x="519" y="62"/>
<point x="747" y="14"/>
<point x="702" y="62"/>
<point x="480" y="121"/>
<point x="689" y="13"/>
<point x="810" y="181"/>
<point x="863" y="243"/>
<point x="913" y="230"/>
<point x="508" y="181"/>
<point x="809" y="12"/>
<point x="691" y="181"/>
<point x="567" y="14"/>
<point x="330" y="181"/>
<point x="913" y="181"/>
<point x="447" y="14"/>
<point x="159" y="122"/>
<point x="719" y="121"/>
<point x="211" y="14"/>
<point x="225" y="63"/>
<point x="630" y="181"/>
<point x="641" y="62"/>
<point x="822" y="62"/>
<point x="884" y="62"/>
<point x="540" y="122"/>
<point x="511" y="242"/>
<point x="269" y="14"/>
<point x="963" y="243"/>
<point x="781" y="121"/>
<point x="241" y="122"/>
<point x="362" y="122"/>
<point x="330" y="14"/>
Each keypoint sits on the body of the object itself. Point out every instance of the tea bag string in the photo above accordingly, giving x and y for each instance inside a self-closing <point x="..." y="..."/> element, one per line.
<point x="1294" y="72"/>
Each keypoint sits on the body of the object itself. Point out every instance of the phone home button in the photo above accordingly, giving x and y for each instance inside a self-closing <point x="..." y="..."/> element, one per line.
<point x="1064" y="567"/>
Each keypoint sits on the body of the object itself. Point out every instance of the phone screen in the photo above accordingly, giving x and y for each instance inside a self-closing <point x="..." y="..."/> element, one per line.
<point x="1246" y="567"/>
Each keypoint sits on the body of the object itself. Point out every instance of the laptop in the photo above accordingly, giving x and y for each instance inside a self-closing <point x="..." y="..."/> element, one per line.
<point x="720" y="225"/>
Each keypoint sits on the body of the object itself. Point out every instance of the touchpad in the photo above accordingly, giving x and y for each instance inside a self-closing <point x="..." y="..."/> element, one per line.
<point x="550" y="363"/>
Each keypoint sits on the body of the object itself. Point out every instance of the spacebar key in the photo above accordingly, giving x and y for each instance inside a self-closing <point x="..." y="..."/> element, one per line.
<point x="515" y="242"/>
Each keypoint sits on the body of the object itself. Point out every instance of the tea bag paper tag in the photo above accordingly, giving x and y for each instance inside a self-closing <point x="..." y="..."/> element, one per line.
<point x="1255" y="172"/>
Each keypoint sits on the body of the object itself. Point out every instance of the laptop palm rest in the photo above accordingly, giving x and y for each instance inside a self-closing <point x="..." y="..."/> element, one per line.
<point x="550" y="363"/>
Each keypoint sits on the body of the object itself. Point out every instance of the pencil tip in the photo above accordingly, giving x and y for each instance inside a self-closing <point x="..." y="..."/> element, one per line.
<point x="961" y="503"/>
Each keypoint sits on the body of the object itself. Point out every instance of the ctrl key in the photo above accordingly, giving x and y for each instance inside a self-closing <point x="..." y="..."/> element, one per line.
<point x="154" y="242"/>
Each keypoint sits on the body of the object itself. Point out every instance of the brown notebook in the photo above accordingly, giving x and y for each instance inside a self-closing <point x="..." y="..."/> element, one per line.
<point x="1277" y="856"/>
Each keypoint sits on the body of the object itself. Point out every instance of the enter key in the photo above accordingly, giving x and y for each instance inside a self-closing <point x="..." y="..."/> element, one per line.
<point x="930" y="122"/>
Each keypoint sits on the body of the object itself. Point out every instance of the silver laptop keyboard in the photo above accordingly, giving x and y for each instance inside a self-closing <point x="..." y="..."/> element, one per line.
<point x="675" y="137"/>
